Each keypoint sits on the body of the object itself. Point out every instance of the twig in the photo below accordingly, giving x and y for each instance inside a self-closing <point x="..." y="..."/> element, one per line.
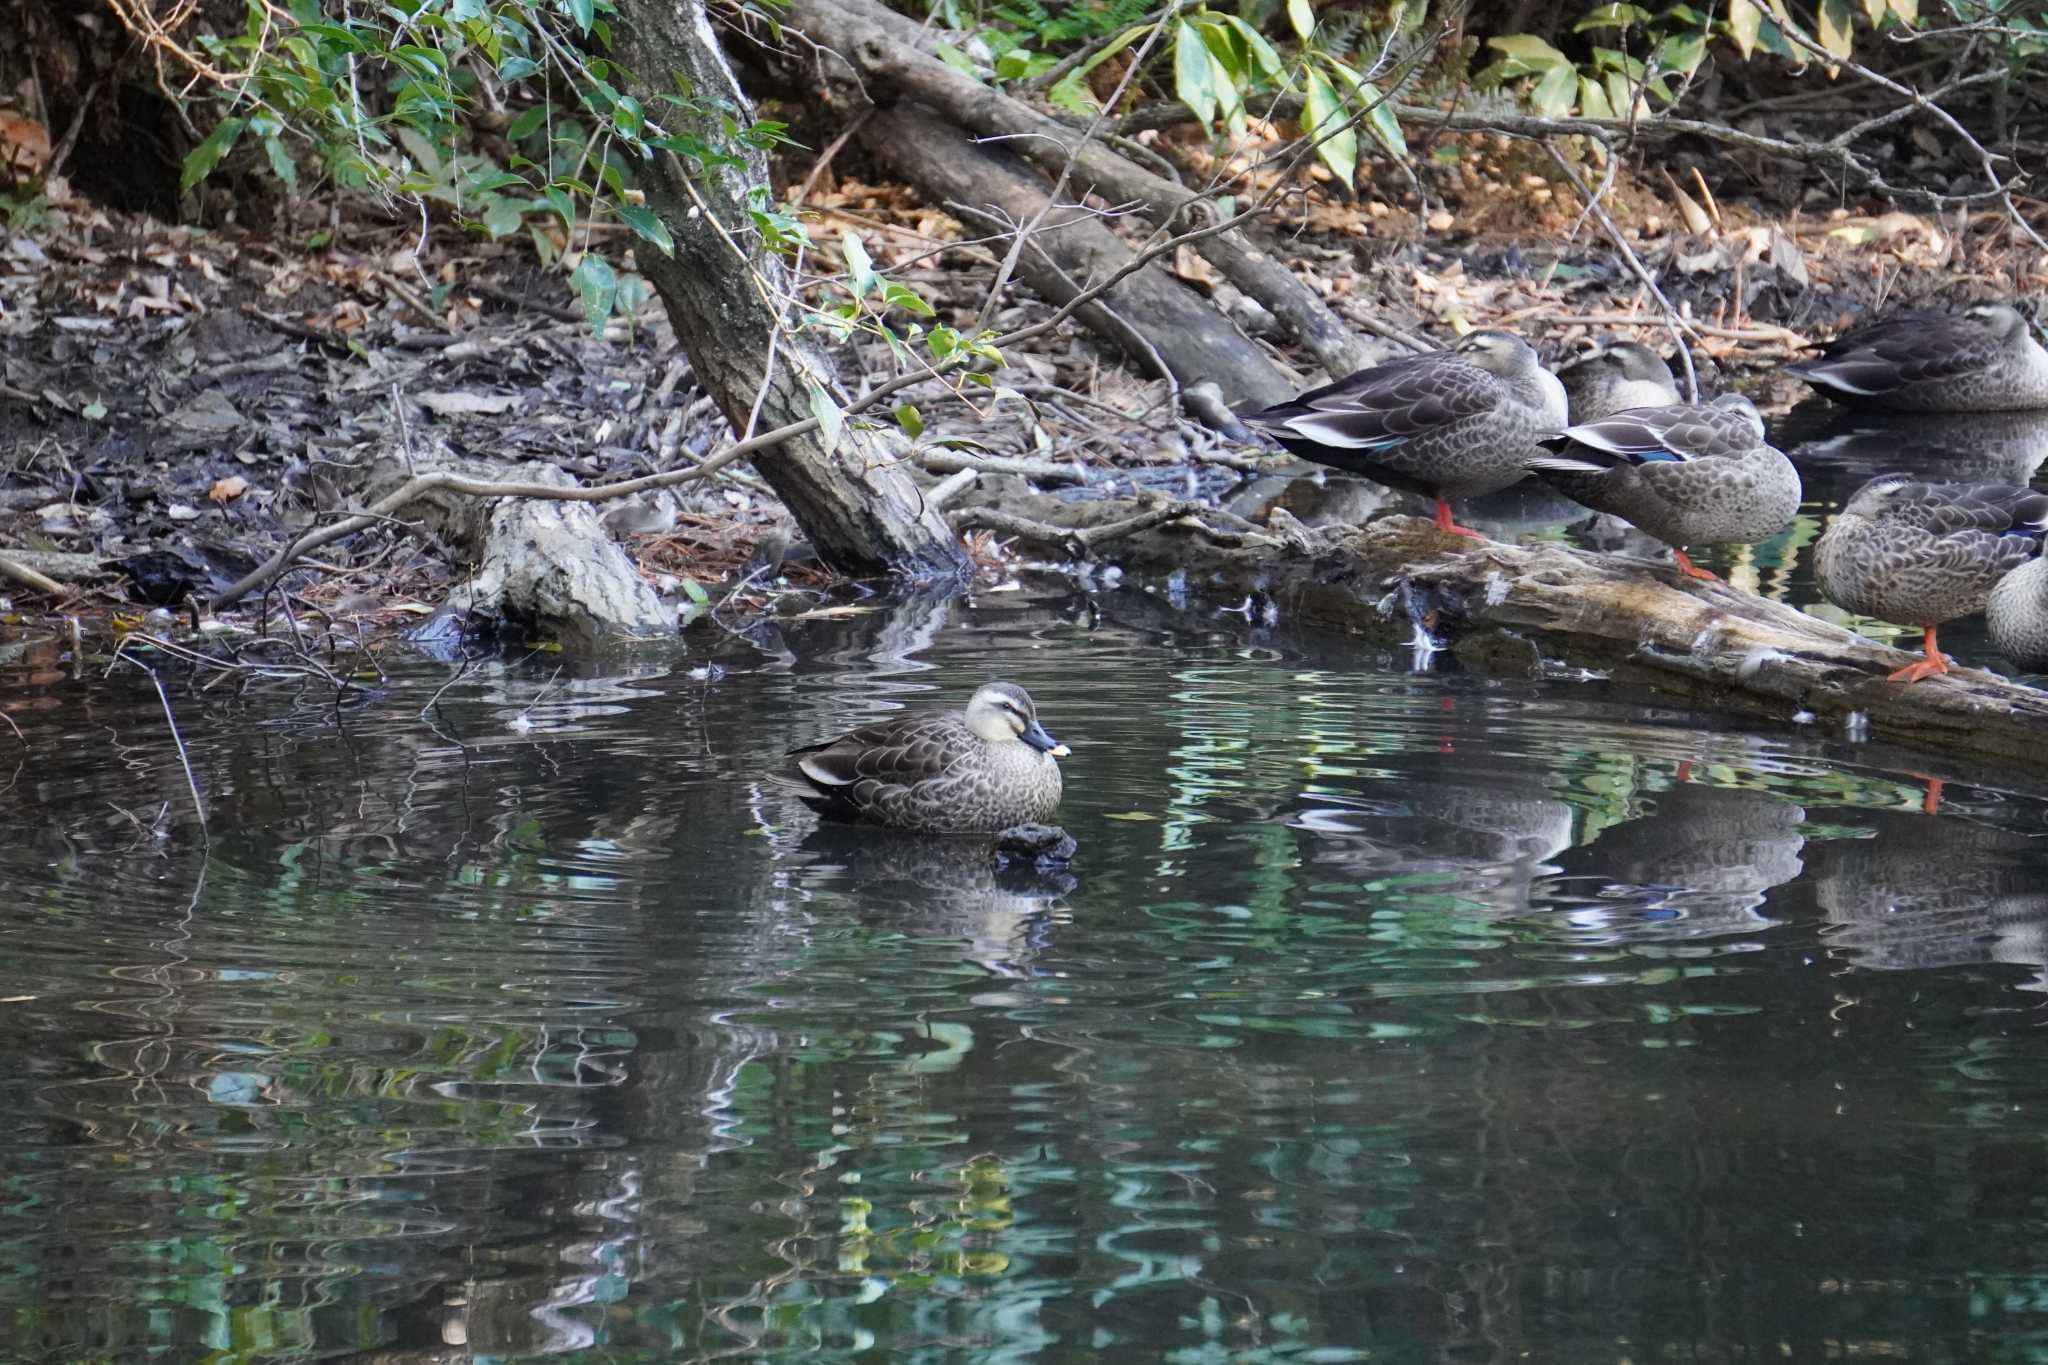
<point x="1762" y="332"/>
<point x="2000" y="188"/>
<point x="1052" y="198"/>
<point x="1079" y="540"/>
<point x="184" y="759"/>
<point x="29" y="578"/>
<point x="951" y="487"/>
<point x="1043" y="471"/>
<point x="1672" y="319"/>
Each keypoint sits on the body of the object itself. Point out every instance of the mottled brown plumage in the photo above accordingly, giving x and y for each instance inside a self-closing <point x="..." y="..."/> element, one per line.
<point x="1920" y="554"/>
<point x="1984" y="359"/>
<point x="980" y="770"/>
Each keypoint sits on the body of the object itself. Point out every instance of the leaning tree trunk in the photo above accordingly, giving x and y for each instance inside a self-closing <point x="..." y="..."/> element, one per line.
<point x="723" y="291"/>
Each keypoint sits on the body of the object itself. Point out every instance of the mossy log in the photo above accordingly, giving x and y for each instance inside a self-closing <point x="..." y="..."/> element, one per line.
<point x="1535" y="609"/>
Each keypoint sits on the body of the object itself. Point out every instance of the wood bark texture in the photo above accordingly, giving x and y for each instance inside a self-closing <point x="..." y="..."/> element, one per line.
<point x="1151" y="316"/>
<point x="886" y="55"/>
<point x="724" y="292"/>
<point x="550" y="568"/>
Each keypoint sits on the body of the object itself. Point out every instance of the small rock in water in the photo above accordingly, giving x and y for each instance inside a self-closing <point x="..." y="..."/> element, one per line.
<point x="1042" y="845"/>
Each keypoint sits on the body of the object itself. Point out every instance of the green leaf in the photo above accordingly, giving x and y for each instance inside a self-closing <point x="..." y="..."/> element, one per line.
<point x="910" y="419"/>
<point x="1262" y="52"/>
<point x="1123" y="40"/>
<point x="694" y="590"/>
<point x="281" y="162"/>
<point x="1682" y="52"/>
<point x="502" y="217"/>
<point x="1192" y="80"/>
<point x="598" y="285"/>
<point x="1325" y="111"/>
<point x="565" y="207"/>
<point x="943" y="341"/>
<point x="517" y="68"/>
<point x="1385" y="124"/>
<point x="93" y="411"/>
<point x="1907" y="10"/>
<point x="909" y="300"/>
<point x="1876" y="10"/>
<point x="859" y="265"/>
<point x="203" y="158"/>
<point x="1834" y="28"/>
<point x="335" y="36"/>
<point x="631" y="118"/>
<point x="830" y="418"/>
<point x="1302" y="17"/>
<point x="1593" y="100"/>
<point x="1553" y="95"/>
<point x="584" y="12"/>
<point x="1744" y="19"/>
<point x="1527" y="54"/>
<point x="1621" y="95"/>
<point x="958" y="60"/>
<point x="1072" y="94"/>
<point x="1612" y="15"/>
<point x="527" y="123"/>
<point x="648" y="226"/>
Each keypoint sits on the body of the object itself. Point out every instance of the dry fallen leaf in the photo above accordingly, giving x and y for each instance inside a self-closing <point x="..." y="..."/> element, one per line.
<point x="24" y="144"/>
<point x="228" y="489"/>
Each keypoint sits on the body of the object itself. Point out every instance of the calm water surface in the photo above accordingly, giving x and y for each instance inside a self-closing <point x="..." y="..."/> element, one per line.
<point x="1384" y="1016"/>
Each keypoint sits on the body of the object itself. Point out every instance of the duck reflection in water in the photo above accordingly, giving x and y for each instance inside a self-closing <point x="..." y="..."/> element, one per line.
<point x="1924" y="891"/>
<point x="1695" y="864"/>
<point x="1002" y="912"/>
<point x="1838" y="451"/>
<point x="1479" y="839"/>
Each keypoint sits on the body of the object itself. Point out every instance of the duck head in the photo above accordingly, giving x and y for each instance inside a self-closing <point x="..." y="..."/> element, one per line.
<point x="1876" y="498"/>
<point x="1497" y="352"/>
<point x="1999" y="320"/>
<point x="1740" y="404"/>
<point x="1003" y="713"/>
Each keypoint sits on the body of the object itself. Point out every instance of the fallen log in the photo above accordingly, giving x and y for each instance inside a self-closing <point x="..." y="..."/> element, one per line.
<point x="1537" y="609"/>
<point x="1153" y="317"/>
<point x="886" y="55"/>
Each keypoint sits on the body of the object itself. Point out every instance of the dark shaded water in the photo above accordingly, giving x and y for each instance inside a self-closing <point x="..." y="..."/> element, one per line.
<point x="1388" y="1016"/>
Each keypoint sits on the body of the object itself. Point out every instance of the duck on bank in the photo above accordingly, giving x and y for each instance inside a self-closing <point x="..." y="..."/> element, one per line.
<point x="1446" y="424"/>
<point x="1686" y="473"/>
<point x="1984" y="359"/>
<point x="1921" y="554"/>
<point x="1618" y="375"/>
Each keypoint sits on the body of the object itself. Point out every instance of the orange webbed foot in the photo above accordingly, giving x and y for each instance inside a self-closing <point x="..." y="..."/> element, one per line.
<point x="1926" y="668"/>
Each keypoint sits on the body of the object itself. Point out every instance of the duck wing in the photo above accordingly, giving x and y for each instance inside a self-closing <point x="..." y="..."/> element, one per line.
<point x="1913" y="348"/>
<point x="1673" y="434"/>
<point x="1385" y="406"/>
<point x="898" y="752"/>
<point x="1994" y="508"/>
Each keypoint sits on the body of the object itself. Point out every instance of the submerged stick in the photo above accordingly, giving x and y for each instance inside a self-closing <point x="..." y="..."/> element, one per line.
<point x="184" y="758"/>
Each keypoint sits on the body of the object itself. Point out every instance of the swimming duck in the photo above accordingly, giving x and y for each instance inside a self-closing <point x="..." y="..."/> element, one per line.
<point x="1446" y="424"/>
<point x="2018" y="615"/>
<point x="1687" y="473"/>
<point x="1983" y="359"/>
<point x="1923" y="553"/>
<point x="1621" y="374"/>
<point x="976" y="771"/>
